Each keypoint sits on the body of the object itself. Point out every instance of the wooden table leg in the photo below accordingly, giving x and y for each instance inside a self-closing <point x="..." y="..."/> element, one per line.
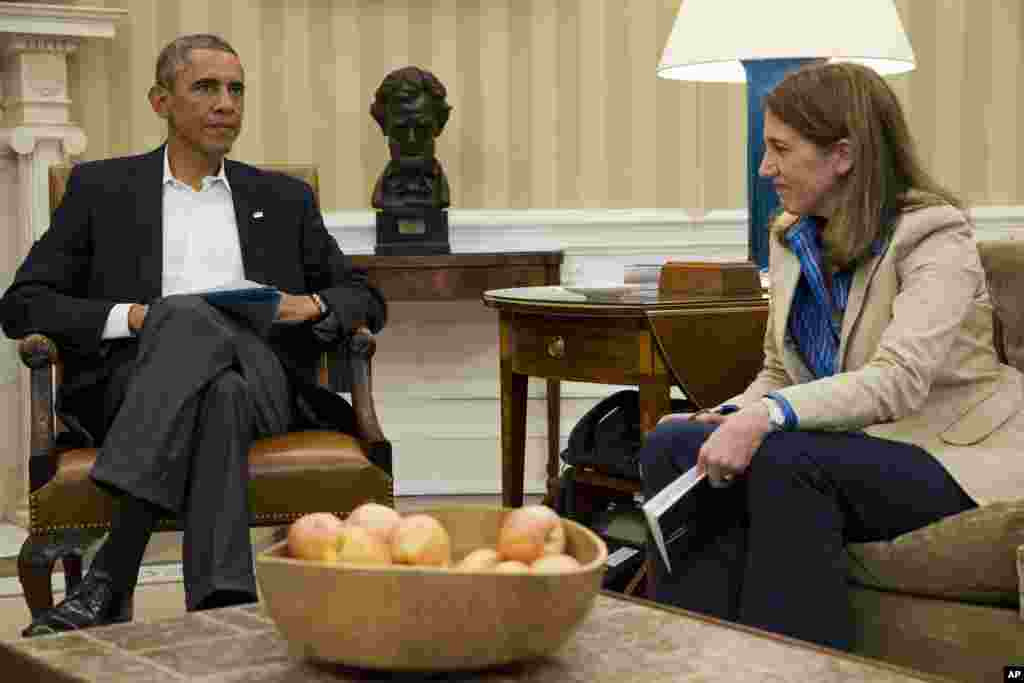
<point x="655" y="401"/>
<point x="513" y="436"/>
<point x="554" y="397"/>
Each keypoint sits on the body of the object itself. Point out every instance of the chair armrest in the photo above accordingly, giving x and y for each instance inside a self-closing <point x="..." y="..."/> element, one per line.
<point x="40" y="354"/>
<point x="361" y="347"/>
<point x="38" y="351"/>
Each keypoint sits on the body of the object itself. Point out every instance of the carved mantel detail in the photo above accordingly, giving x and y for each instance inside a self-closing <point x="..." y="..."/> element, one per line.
<point x="35" y="121"/>
<point x="36" y="129"/>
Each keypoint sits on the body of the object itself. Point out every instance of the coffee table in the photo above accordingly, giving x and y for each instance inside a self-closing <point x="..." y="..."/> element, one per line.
<point x="622" y="640"/>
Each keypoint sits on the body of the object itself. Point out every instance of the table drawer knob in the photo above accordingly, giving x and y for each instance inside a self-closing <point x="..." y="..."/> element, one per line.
<point x="556" y="348"/>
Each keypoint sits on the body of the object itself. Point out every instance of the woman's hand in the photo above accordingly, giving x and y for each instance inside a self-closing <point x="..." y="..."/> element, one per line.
<point x="728" y="450"/>
<point x="705" y="416"/>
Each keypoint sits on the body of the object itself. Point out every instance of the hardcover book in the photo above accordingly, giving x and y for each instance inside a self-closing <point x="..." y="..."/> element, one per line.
<point x="250" y="302"/>
<point x="710" y="278"/>
<point x="671" y="513"/>
<point x="240" y="291"/>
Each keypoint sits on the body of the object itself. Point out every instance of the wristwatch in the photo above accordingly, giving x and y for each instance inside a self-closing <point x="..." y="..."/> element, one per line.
<point x="775" y="415"/>
<point x="319" y="303"/>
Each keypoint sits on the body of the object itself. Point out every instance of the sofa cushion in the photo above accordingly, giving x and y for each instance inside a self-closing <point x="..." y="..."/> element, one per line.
<point x="1020" y="575"/>
<point x="970" y="557"/>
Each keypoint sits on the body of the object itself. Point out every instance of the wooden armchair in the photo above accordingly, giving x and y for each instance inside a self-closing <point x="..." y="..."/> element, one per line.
<point x="290" y="474"/>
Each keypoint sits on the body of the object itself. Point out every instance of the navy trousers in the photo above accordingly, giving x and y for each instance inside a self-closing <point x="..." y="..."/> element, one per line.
<point x="768" y="551"/>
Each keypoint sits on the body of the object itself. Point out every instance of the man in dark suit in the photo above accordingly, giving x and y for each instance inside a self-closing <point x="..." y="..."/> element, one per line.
<point x="172" y="389"/>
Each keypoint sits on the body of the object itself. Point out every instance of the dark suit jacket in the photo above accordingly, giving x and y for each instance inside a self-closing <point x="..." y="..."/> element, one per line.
<point x="105" y="246"/>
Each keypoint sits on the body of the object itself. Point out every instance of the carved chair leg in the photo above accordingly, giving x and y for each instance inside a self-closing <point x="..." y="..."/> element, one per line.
<point x="37" y="558"/>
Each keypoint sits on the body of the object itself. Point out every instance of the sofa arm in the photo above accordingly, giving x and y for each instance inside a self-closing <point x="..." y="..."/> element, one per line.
<point x="1020" y="577"/>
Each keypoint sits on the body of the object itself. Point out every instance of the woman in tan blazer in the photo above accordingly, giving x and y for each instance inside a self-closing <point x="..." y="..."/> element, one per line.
<point x="881" y="406"/>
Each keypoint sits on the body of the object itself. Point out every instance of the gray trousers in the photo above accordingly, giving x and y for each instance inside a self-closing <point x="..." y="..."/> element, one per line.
<point x="203" y="386"/>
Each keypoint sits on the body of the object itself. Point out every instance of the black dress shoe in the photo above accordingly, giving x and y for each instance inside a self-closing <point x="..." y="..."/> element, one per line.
<point x="94" y="602"/>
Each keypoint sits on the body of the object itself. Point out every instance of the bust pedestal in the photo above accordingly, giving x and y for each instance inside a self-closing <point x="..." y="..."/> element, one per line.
<point x="412" y="232"/>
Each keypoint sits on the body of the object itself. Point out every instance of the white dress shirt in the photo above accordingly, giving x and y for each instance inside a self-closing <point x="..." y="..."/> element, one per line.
<point x="200" y="241"/>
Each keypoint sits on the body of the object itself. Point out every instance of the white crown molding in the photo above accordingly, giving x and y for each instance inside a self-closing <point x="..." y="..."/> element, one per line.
<point x="59" y="20"/>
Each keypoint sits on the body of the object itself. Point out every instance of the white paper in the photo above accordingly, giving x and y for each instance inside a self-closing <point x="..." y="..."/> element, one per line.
<point x="237" y="285"/>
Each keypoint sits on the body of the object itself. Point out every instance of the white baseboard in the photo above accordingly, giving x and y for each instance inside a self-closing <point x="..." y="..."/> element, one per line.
<point x="149" y="574"/>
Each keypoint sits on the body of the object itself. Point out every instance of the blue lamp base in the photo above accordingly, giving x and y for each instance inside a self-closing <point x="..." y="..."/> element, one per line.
<point x="762" y="202"/>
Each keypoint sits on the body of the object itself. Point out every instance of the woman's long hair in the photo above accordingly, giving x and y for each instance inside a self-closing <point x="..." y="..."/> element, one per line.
<point x="825" y="103"/>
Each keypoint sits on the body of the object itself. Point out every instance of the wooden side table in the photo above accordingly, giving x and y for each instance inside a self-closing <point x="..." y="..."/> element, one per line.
<point x="454" y="276"/>
<point x="459" y="276"/>
<point x="619" y="335"/>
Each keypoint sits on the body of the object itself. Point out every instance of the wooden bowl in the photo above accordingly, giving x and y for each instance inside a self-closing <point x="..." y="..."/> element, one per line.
<point x="410" y="618"/>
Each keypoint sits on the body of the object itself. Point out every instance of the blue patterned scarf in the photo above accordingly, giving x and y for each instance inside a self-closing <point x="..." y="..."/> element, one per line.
<point x="816" y="316"/>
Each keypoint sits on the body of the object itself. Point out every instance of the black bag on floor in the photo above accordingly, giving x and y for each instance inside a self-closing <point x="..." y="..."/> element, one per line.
<point x="608" y="438"/>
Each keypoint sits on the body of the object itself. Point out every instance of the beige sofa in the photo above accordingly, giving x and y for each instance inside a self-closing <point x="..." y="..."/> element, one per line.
<point x="947" y="599"/>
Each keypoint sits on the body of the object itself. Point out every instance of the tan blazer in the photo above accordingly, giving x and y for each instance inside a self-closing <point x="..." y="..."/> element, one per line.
<point x="918" y="362"/>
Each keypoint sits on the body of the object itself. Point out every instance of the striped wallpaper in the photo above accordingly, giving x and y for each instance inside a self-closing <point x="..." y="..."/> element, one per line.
<point x="556" y="103"/>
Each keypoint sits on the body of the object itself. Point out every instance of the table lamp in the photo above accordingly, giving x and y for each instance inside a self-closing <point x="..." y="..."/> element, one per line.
<point x="760" y="41"/>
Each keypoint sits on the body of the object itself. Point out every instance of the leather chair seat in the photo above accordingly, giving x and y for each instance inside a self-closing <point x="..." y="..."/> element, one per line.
<point x="282" y="469"/>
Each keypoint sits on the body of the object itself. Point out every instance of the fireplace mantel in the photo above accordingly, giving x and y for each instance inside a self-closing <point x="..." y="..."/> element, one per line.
<point x="52" y="19"/>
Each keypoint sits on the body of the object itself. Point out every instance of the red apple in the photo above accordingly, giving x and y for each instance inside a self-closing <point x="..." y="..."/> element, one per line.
<point x="421" y="539"/>
<point x="379" y="520"/>
<point x="530" y="532"/>
<point x="315" y="537"/>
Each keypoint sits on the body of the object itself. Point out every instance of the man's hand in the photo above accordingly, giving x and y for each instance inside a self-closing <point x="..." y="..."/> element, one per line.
<point x="728" y="450"/>
<point x="295" y="308"/>
<point x="136" y="317"/>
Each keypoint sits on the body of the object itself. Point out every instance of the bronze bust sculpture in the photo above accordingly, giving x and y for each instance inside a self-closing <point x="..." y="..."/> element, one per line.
<point x="411" y="110"/>
<point x="412" y="193"/>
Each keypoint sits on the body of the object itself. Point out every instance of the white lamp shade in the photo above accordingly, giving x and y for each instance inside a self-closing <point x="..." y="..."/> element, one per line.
<point x="710" y="37"/>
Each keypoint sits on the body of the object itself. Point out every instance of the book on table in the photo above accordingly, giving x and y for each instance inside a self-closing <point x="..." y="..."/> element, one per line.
<point x="254" y="303"/>
<point x="672" y="511"/>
